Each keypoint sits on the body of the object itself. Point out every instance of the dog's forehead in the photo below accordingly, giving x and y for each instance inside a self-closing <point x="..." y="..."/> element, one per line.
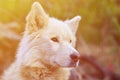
<point x="57" y="27"/>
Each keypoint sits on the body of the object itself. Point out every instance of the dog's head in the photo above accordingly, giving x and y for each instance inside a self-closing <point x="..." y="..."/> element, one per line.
<point x="48" y="40"/>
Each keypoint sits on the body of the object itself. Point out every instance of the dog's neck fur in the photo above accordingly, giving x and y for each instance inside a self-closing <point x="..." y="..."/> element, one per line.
<point x="35" y="73"/>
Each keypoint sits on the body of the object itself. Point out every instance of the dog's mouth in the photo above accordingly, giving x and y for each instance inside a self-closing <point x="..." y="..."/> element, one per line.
<point x="70" y="65"/>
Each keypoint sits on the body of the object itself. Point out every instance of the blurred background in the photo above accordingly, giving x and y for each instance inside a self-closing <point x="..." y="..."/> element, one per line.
<point x="98" y="34"/>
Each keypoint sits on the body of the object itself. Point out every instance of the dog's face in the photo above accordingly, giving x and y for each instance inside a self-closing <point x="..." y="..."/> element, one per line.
<point x="48" y="40"/>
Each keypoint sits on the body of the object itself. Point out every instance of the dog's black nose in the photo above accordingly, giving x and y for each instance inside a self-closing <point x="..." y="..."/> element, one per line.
<point x="74" y="57"/>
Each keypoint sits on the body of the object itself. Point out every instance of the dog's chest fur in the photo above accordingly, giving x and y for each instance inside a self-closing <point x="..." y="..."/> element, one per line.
<point x="44" y="74"/>
<point x="35" y="73"/>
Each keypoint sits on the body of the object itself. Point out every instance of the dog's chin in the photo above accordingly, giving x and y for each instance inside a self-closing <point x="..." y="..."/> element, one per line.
<point x="70" y="65"/>
<point x="74" y="64"/>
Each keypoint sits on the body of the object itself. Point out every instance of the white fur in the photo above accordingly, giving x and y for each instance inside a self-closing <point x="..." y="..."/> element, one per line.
<point x="39" y="57"/>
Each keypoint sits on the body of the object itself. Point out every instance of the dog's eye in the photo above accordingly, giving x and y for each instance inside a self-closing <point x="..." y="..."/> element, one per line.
<point x="54" y="39"/>
<point x="70" y="41"/>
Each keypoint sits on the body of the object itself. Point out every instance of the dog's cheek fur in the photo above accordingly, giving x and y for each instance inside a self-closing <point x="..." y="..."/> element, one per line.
<point x="48" y="49"/>
<point x="37" y="52"/>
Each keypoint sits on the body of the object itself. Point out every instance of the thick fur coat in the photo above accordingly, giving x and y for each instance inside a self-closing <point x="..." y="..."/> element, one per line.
<point x="46" y="51"/>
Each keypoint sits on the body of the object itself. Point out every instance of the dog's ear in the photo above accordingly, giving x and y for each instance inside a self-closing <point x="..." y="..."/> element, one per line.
<point x="36" y="19"/>
<point x="73" y="23"/>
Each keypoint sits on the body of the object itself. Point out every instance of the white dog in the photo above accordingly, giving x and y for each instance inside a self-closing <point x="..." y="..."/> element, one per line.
<point x="46" y="51"/>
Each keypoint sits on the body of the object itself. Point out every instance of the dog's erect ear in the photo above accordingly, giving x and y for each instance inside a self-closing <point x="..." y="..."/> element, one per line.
<point x="37" y="18"/>
<point x="73" y="23"/>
